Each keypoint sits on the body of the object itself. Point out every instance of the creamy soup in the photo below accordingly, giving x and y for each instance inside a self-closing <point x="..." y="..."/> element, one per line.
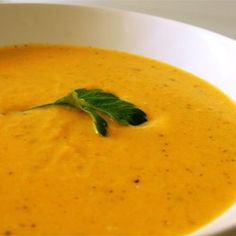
<point x="168" y="176"/>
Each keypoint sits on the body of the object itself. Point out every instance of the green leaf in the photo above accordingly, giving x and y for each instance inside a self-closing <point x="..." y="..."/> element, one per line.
<point x="96" y="102"/>
<point x="119" y="110"/>
<point x="99" y="123"/>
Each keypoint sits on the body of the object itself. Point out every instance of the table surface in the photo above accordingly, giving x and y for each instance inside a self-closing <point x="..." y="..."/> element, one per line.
<point x="216" y="15"/>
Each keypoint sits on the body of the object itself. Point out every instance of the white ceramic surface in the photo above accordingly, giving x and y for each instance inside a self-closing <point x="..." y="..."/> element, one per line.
<point x="216" y="15"/>
<point x="198" y="51"/>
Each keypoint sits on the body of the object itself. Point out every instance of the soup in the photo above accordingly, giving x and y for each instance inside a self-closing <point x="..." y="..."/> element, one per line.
<point x="168" y="176"/>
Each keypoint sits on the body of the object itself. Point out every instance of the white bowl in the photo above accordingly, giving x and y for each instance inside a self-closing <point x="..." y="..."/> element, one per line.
<point x="206" y="54"/>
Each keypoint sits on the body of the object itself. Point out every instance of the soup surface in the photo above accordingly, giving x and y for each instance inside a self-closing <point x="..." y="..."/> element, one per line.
<point x="169" y="176"/>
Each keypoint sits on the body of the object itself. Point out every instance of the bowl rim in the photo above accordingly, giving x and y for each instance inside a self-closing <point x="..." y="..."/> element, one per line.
<point x="120" y="11"/>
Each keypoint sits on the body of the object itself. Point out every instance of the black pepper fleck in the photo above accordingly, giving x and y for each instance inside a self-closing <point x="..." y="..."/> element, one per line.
<point x="188" y="106"/>
<point x="225" y="150"/>
<point x="136" y="181"/>
<point x="188" y="170"/>
<point x="166" y="222"/>
<point x="136" y="69"/>
<point x="25" y="207"/>
<point x="8" y="232"/>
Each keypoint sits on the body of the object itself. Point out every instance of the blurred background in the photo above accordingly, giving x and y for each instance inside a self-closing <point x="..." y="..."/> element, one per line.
<point x="215" y="15"/>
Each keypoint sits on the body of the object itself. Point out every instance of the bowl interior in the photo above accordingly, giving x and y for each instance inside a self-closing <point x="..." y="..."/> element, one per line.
<point x="206" y="54"/>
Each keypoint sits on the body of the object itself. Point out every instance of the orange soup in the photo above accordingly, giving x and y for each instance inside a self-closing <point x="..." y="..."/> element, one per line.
<point x="168" y="176"/>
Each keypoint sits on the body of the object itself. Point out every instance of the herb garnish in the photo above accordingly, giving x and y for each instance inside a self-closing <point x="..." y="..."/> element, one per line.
<point x="95" y="102"/>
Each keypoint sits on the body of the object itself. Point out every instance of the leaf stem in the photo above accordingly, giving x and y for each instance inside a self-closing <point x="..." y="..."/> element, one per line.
<point x="41" y="106"/>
